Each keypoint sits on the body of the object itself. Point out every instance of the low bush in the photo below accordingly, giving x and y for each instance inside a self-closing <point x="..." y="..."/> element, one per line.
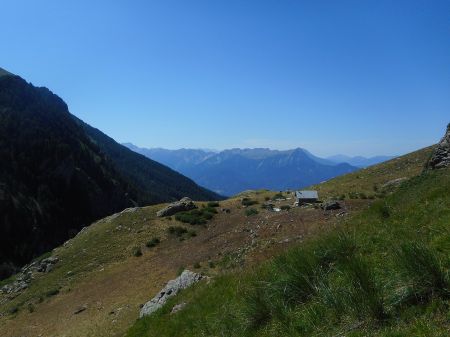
<point x="248" y="202"/>
<point x="153" y="242"/>
<point x="213" y="204"/>
<point x="278" y="196"/>
<point x="136" y="251"/>
<point x="13" y="310"/>
<point x="178" y="231"/>
<point x="196" y="216"/>
<point x="285" y="207"/>
<point x="251" y="211"/>
<point x="52" y="292"/>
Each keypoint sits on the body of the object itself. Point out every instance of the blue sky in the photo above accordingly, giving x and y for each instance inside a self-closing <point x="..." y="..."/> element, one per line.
<point x="354" y="77"/>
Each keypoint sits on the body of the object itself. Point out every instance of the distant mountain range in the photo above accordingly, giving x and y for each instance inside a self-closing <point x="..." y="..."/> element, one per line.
<point x="58" y="174"/>
<point x="359" y="161"/>
<point x="229" y="172"/>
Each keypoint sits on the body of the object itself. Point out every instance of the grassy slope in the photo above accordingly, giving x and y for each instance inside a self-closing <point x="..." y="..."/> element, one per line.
<point x="97" y="267"/>
<point x="418" y="212"/>
<point x="371" y="180"/>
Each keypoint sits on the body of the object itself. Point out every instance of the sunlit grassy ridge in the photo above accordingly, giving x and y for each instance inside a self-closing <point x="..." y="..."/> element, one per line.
<point x="383" y="273"/>
<point x="374" y="179"/>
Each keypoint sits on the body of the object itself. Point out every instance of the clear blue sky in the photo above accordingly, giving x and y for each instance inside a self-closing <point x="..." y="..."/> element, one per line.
<point x="355" y="77"/>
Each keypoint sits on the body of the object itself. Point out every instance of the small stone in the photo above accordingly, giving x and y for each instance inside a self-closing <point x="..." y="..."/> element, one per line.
<point x="178" y="307"/>
<point x="80" y="309"/>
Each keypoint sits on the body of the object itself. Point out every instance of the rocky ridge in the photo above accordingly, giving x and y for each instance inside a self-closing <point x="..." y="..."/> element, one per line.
<point x="27" y="274"/>
<point x="441" y="155"/>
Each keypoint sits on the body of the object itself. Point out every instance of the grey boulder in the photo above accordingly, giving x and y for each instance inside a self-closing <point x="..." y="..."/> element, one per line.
<point x="441" y="155"/>
<point x="331" y="205"/>
<point x="185" y="280"/>
<point x="185" y="204"/>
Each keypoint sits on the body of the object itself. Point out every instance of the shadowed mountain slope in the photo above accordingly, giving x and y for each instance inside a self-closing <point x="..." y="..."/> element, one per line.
<point x="58" y="174"/>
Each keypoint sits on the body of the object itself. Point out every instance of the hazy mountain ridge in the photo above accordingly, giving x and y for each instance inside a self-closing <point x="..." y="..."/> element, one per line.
<point x="231" y="171"/>
<point x="359" y="161"/>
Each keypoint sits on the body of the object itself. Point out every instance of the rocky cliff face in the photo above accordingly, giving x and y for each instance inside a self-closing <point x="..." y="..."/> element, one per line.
<point x="441" y="155"/>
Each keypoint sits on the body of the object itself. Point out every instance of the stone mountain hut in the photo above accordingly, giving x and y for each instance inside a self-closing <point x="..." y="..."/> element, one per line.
<point x="303" y="197"/>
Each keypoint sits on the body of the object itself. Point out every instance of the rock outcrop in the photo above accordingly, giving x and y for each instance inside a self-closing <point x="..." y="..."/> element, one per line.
<point x="441" y="155"/>
<point x="185" y="204"/>
<point x="27" y="274"/>
<point x="185" y="280"/>
<point x="330" y="205"/>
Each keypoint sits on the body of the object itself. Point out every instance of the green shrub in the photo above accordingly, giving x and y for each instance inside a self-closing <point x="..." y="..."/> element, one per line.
<point x="137" y="251"/>
<point x="285" y="208"/>
<point x="52" y="292"/>
<point x="153" y="242"/>
<point x="178" y="231"/>
<point x="196" y="216"/>
<point x="248" y="202"/>
<point x="13" y="310"/>
<point x="251" y="211"/>
<point x="197" y="265"/>
<point x="213" y="204"/>
<point x="278" y="196"/>
<point x="268" y="206"/>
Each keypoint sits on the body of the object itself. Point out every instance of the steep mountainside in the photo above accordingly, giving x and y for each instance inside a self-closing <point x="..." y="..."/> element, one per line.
<point x="232" y="171"/>
<point x="56" y="176"/>
<point x="155" y="182"/>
